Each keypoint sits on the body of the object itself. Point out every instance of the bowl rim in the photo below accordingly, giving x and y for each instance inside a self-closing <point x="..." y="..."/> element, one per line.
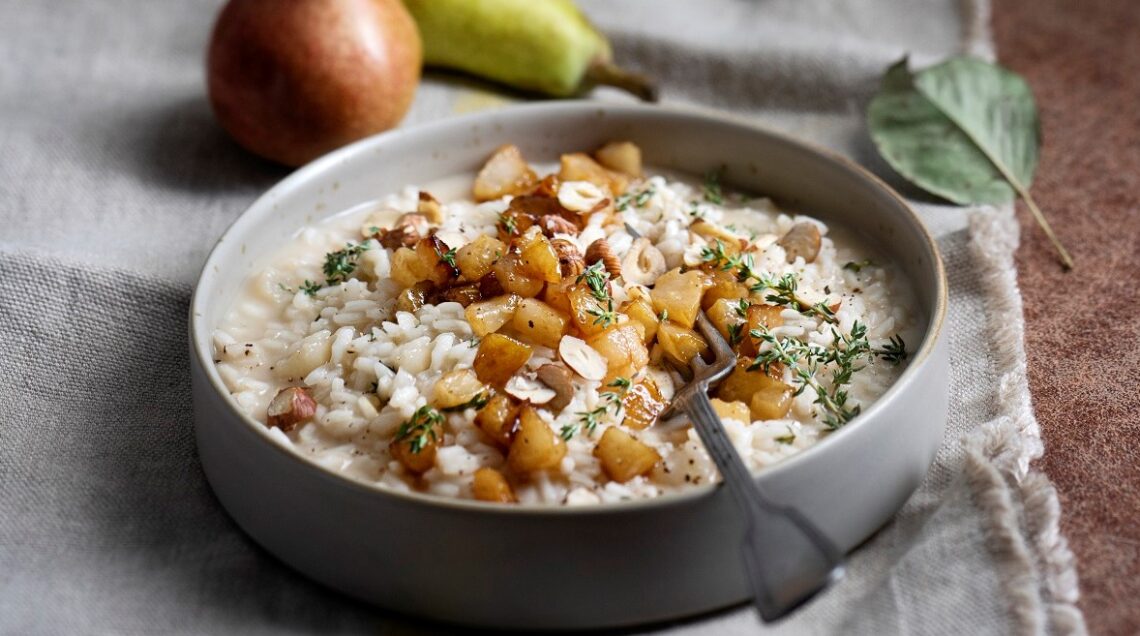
<point x="200" y="335"/>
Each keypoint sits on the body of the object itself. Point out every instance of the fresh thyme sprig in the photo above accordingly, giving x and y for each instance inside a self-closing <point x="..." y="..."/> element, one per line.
<point x="742" y="307"/>
<point x="784" y="294"/>
<point x="783" y="288"/>
<point x="841" y="361"/>
<point x="479" y="401"/>
<point x="420" y="428"/>
<point x="589" y="420"/>
<point x="637" y="199"/>
<point x="785" y="351"/>
<point x="836" y="413"/>
<point x="597" y="280"/>
<point x="735" y="334"/>
<point x="339" y="265"/>
<point x="310" y="287"/>
<point x="604" y="317"/>
<point x="894" y="351"/>
<point x="614" y="398"/>
<point x="644" y="196"/>
<point x="711" y="188"/>
<point x="805" y="362"/>
<point x="509" y="224"/>
<point x="741" y="263"/>
<point x="447" y="258"/>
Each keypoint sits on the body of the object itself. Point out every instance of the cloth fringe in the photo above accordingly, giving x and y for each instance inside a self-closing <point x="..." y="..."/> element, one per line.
<point x="1024" y="512"/>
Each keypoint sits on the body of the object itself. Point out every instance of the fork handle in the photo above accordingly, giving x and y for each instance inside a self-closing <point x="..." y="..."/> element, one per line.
<point x="787" y="560"/>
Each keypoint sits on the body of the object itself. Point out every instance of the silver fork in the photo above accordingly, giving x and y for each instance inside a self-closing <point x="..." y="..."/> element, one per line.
<point x="787" y="560"/>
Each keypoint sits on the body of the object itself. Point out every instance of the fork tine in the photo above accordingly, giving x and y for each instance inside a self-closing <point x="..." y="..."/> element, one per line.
<point x="704" y="373"/>
<point x="720" y="347"/>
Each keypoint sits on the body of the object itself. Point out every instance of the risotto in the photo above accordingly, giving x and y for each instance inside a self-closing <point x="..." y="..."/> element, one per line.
<point x="517" y="341"/>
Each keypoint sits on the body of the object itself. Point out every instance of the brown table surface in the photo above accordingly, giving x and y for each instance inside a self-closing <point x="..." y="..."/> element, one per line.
<point x="1082" y="333"/>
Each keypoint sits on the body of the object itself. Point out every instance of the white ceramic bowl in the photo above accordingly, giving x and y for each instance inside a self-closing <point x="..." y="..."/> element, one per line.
<point x="542" y="567"/>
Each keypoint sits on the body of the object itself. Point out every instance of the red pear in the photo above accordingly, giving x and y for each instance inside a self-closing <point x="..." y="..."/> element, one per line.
<point x="293" y="79"/>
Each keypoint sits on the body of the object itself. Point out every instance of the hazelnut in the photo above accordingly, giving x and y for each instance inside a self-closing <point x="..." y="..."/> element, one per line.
<point x="561" y="381"/>
<point x="430" y="208"/>
<point x="290" y="407"/>
<point x="580" y="196"/>
<point x="529" y="390"/>
<point x="801" y="241"/>
<point x="582" y="358"/>
<point x="600" y="250"/>
<point x="553" y="224"/>
<point x="643" y="263"/>
<point x="570" y="261"/>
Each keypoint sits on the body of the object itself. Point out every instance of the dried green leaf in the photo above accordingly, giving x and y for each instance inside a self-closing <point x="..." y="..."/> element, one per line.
<point x="965" y="129"/>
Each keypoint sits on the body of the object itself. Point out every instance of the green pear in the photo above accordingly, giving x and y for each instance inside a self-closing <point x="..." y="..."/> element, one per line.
<point x="545" y="46"/>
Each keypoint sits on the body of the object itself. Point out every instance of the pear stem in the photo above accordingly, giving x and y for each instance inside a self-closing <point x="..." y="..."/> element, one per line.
<point x="609" y="74"/>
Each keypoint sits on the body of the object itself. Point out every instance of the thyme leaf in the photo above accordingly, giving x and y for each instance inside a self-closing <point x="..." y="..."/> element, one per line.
<point x="790" y="438"/>
<point x="742" y="307"/>
<point x="857" y="266"/>
<point x="596" y="278"/>
<point x="447" y="258"/>
<point x="711" y="189"/>
<point x="479" y="401"/>
<point x="735" y="334"/>
<point x="604" y="317"/>
<point x="310" y="287"/>
<point x="589" y="420"/>
<point x="637" y="199"/>
<point x="838" y="363"/>
<point x="508" y="224"/>
<point x="420" y="428"/>
<point x="614" y="398"/>
<point x="894" y="351"/>
<point x="339" y="265"/>
<point x="783" y="288"/>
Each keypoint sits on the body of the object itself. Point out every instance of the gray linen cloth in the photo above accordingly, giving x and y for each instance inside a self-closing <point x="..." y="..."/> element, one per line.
<point x="114" y="183"/>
